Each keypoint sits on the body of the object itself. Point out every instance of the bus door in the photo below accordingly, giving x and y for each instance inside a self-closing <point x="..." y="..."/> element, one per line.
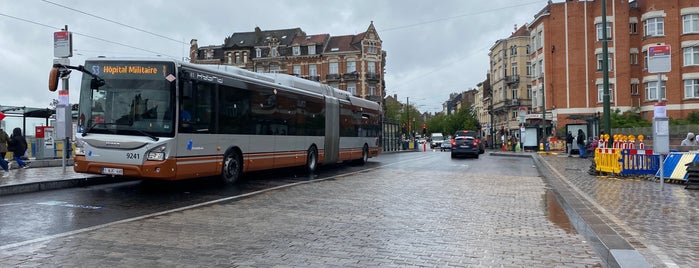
<point x="332" y="130"/>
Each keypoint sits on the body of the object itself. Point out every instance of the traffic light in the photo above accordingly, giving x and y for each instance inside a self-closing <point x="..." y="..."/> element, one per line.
<point x="424" y="130"/>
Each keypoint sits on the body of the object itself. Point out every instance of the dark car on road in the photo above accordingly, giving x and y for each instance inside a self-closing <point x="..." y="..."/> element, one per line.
<point x="466" y="143"/>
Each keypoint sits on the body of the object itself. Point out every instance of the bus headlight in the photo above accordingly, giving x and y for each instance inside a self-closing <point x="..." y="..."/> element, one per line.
<point x="156" y="154"/>
<point x="79" y="150"/>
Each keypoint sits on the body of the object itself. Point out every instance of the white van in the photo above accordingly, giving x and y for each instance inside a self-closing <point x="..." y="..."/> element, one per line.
<point x="436" y="140"/>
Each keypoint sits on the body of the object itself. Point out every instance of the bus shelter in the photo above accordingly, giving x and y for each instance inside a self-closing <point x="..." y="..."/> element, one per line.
<point x="26" y="112"/>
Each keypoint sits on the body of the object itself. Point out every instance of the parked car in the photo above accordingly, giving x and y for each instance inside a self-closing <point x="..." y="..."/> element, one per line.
<point x="436" y="140"/>
<point x="467" y="142"/>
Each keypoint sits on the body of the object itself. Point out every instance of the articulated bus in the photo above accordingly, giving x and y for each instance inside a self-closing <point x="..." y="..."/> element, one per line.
<point x="170" y="120"/>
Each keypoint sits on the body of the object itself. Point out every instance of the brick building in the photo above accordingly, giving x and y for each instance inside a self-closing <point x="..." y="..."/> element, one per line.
<point x="566" y="58"/>
<point x="509" y="80"/>
<point x="354" y="63"/>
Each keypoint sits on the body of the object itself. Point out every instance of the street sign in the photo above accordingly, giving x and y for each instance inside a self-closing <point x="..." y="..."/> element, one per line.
<point x="62" y="44"/>
<point x="659" y="59"/>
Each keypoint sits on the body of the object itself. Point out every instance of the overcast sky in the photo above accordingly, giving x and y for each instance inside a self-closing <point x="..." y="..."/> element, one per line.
<point x="433" y="48"/>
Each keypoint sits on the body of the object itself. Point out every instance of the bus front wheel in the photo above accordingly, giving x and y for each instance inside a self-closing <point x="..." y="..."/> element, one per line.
<point x="232" y="167"/>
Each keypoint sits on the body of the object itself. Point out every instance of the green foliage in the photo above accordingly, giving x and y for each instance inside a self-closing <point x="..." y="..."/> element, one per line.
<point x="692" y="119"/>
<point x="449" y="124"/>
<point x="628" y="119"/>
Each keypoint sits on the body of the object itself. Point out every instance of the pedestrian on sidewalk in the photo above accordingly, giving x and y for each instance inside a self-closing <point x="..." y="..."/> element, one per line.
<point x="4" y="140"/>
<point x="5" y="166"/>
<point x="581" y="143"/>
<point x="569" y="143"/>
<point x="689" y="140"/>
<point x="18" y="146"/>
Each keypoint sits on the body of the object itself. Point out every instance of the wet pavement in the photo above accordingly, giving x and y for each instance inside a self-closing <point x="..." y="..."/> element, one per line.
<point x="628" y="222"/>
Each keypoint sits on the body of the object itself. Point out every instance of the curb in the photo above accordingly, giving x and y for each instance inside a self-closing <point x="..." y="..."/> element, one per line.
<point x="58" y="184"/>
<point x="612" y="248"/>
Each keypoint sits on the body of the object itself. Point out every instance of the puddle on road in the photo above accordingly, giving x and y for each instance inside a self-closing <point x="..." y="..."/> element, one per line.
<point x="555" y="213"/>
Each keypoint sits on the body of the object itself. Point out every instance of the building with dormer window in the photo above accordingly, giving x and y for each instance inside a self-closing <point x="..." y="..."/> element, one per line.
<point x="354" y="63"/>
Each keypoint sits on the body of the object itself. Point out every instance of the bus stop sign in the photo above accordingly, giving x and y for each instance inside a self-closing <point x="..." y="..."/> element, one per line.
<point x="659" y="59"/>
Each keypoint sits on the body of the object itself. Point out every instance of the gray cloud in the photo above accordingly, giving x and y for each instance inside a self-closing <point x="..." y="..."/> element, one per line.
<point x="434" y="47"/>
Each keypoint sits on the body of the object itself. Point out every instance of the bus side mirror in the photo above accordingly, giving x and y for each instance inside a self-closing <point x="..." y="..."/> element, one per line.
<point x="53" y="79"/>
<point x="96" y="83"/>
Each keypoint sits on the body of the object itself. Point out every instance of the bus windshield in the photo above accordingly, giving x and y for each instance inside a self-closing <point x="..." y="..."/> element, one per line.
<point x="136" y="99"/>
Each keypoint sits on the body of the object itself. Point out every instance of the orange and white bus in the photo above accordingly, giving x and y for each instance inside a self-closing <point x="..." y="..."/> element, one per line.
<point x="170" y="120"/>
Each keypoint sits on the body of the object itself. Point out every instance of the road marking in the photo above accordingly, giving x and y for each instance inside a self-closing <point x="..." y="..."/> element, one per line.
<point x="10" y="204"/>
<point x="66" y="204"/>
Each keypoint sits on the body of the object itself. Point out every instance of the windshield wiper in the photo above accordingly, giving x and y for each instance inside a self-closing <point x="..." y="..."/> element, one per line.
<point x="121" y="124"/>
<point x="105" y="124"/>
<point x="147" y="134"/>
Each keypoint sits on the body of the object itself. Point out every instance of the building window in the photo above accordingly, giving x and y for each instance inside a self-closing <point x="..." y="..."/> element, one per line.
<point x="535" y="99"/>
<point x="210" y="54"/>
<point x="371" y="66"/>
<point x="654" y="27"/>
<point x="633" y="28"/>
<point x="372" y="91"/>
<point x="529" y="91"/>
<point x="229" y="58"/>
<point x="237" y="58"/>
<point x="645" y="59"/>
<point x="514" y="93"/>
<point x="296" y="50"/>
<point x="652" y="91"/>
<point x="599" y="31"/>
<point x="634" y="89"/>
<point x="333" y="68"/>
<point x="534" y="74"/>
<point x="513" y="51"/>
<point x="600" y="58"/>
<point x="312" y="50"/>
<point x="297" y="70"/>
<point x="274" y="69"/>
<point x="541" y="68"/>
<point x="274" y="52"/>
<point x="260" y="69"/>
<point x="691" y="56"/>
<point x="352" y="88"/>
<point x="633" y="58"/>
<point x="351" y="67"/>
<point x="312" y="71"/>
<point x="539" y="40"/>
<point x="690" y="23"/>
<point x="528" y="50"/>
<point x="600" y="93"/>
<point x="258" y="53"/>
<point x="245" y="57"/>
<point x="691" y="88"/>
<point x="514" y="68"/>
<point x="529" y="69"/>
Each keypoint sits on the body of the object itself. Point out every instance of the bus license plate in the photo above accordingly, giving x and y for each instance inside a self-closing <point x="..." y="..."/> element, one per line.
<point x="113" y="171"/>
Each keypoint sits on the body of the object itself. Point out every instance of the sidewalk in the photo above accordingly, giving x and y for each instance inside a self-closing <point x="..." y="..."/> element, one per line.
<point x="625" y="216"/>
<point x="46" y="174"/>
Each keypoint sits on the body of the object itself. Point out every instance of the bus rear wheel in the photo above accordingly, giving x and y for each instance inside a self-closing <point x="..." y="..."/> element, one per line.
<point x="232" y="167"/>
<point x="365" y="155"/>
<point x="312" y="160"/>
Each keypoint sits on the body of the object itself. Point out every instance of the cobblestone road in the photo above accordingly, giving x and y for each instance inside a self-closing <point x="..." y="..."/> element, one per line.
<point x="424" y="211"/>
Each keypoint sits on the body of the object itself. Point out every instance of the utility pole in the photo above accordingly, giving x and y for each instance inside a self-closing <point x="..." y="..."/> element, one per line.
<point x="407" y="109"/>
<point x="605" y="71"/>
